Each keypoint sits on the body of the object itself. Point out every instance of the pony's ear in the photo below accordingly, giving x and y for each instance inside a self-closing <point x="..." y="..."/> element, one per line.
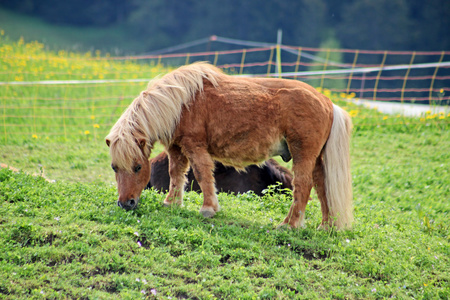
<point x="108" y="142"/>
<point x="141" y="144"/>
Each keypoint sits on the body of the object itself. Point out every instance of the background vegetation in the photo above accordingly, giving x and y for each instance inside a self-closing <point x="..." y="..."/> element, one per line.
<point x="140" y="25"/>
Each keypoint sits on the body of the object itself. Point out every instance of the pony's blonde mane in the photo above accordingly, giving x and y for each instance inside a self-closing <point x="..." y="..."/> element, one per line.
<point x="156" y="112"/>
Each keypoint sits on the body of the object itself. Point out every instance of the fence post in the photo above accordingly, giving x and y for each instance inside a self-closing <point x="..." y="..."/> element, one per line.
<point x="378" y="76"/>
<point x="434" y="77"/>
<point x="297" y="63"/>
<point x="406" y="76"/>
<point x="269" y="64"/>
<point x="351" y="73"/>
<point x="279" y="36"/>
<point x="325" y="68"/>
<point x="242" y="62"/>
<point x="216" y="57"/>
<point x="363" y="82"/>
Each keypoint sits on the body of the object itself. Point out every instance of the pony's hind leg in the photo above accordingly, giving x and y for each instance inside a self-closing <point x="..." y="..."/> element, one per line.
<point x="178" y="165"/>
<point x="203" y="166"/>
<point x="319" y="184"/>
<point x="303" y="170"/>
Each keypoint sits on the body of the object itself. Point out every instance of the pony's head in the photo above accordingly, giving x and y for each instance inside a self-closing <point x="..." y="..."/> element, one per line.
<point x="130" y="148"/>
<point x="132" y="169"/>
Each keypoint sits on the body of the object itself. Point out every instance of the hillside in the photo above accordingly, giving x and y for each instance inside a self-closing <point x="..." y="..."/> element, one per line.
<point x="112" y="39"/>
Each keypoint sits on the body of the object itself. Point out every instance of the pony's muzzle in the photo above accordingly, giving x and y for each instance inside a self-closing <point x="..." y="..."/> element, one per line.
<point x="129" y="204"/>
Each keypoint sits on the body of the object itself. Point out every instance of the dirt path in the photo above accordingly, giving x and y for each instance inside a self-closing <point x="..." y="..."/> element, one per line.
<point x="406" y="109"/>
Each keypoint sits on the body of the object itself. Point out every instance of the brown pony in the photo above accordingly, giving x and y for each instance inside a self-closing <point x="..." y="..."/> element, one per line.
<point x="201" y="114"/>
<point x="228" y="180"/>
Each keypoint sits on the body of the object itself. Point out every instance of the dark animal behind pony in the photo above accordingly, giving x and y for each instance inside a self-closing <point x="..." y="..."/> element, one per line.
<point x="227" y="179"/>
<point x="202" y="115"/>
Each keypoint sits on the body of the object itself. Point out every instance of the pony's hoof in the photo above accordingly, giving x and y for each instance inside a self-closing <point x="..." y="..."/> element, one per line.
<point x="208" y="212"/>
<point x="169" y="204"/>
<point x="323" y="227"/>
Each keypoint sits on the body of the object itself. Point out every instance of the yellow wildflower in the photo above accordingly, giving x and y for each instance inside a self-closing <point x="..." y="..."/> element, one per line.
<point x="87" y="132"/>
<point x="96" y="126"/>
<point x="385" y="117"/>
<point x="34" y="136"/>
<point x="353" y="113"/>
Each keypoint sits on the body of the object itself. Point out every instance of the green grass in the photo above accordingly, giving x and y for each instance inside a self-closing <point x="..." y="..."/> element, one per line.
<point x="68" y="239"/>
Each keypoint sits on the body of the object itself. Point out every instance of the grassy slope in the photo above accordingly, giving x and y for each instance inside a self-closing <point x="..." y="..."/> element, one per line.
<point x="67" y="37"/>
<point x="71" y="240"/>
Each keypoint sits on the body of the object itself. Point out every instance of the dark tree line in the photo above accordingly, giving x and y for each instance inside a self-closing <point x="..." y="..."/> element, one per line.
<point x="361" y="24"/>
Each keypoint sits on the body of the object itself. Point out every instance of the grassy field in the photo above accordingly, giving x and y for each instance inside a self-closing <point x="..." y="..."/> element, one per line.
<point x="68" y="239"/>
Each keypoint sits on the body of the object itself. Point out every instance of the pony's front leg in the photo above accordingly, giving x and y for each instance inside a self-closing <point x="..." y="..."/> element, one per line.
<point x="203" y="166"/>
<point x="178" y="165"/>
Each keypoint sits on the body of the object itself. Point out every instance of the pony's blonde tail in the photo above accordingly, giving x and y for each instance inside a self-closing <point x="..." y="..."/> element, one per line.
<point x="338" y="180"/>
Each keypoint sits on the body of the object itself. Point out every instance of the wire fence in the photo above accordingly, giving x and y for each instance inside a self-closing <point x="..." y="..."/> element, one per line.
<point x="63" y="95"/>
<point x="405" y="76"/>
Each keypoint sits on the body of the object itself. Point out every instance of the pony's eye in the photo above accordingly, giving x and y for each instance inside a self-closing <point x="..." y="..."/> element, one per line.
<point x="114" y="168"/>
<point x="137" y="168"/>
